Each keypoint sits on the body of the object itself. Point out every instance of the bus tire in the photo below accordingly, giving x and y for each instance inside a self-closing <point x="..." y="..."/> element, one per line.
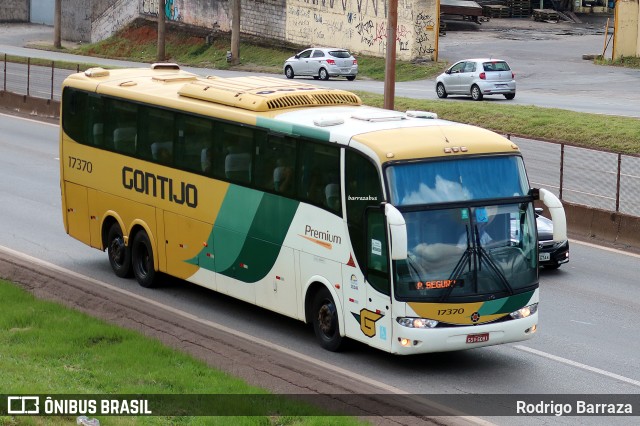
<point x="142" y="260"/>
<point x="325" y="321"/>
<point x="119" y="253"/>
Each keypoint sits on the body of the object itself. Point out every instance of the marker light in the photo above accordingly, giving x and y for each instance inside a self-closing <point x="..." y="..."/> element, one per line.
<point x="405" y="342"/>
<point x="416" y="322"/>
<point x="525" y="312"/>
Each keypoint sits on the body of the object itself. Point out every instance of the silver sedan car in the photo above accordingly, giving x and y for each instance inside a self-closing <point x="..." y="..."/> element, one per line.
<point x="322" y="63"/>
<point x="477" y="78"/>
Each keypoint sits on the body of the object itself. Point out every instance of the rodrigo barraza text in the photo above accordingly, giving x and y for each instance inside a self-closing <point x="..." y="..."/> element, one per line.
<point x="577" y="408"/>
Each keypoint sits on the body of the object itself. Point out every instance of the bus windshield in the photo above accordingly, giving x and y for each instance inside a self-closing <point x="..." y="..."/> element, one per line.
<point x="458" y="251"/>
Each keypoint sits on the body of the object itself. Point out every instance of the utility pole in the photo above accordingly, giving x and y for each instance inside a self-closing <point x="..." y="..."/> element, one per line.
<point x="390" y="59"/>
<point x="161" y="31"/>
<point x="57" y="23"/>
<point x="235" y="32"/>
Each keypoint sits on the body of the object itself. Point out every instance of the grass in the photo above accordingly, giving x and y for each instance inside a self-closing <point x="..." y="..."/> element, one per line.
<point x="49" y="349"/>
<point x="611" y="133"/>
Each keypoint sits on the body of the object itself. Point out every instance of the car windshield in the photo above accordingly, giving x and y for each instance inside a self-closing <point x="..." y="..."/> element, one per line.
<point x="496" y="66"/>
<point x="340" y="53"/>
<point x="458" y="246"/>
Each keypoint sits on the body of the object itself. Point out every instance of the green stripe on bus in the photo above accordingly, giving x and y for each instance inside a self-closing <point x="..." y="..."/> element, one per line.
<point x="262" y="246"/>
<point x="506" y="305"/>
<point x="293" y="129"/>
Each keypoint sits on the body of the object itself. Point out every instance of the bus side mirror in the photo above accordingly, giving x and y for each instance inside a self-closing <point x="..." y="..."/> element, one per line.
<point x="397" y="232"/>
<point x="557" y="214"/>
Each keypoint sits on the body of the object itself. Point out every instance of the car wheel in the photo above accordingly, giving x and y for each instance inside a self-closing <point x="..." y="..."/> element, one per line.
<point x="476" y="94"/>
<point x="288" y="71"/>
<point x="323" y="74"/>
<point x="510" y="95"/>
<point x="441" y="91"/>
<point x="351" y="77"/>
<point x="325" y="321"/>
<point x="142" y="260"/>
<point x="119" y="254"/>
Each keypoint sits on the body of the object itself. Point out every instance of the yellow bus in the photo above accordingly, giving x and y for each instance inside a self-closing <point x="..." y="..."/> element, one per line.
<point x="406" y="232"/>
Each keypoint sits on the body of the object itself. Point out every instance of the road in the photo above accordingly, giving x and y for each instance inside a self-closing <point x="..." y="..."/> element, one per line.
<point x="547" y="60"/>
<point x="586" y="342"/>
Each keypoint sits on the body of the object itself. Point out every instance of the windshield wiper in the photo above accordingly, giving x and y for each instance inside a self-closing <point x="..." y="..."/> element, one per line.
<point x="464" y="260"/>
<point x="483" y="255"/>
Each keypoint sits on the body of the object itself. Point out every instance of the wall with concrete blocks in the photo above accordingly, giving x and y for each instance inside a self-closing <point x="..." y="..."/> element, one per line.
<point x="358" y="25"/>
<point x="15" y="11"/>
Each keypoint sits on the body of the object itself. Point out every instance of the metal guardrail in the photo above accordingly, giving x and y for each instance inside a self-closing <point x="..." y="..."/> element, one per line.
<point x="606" y="180"/>
<point x="34" y="80"/>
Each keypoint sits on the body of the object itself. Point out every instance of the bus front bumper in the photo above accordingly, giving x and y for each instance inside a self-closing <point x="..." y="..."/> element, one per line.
<point x="409" y="341"/>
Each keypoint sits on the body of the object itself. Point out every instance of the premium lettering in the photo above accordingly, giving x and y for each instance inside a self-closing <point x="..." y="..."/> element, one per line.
<point x="322" y="235"/>
<point x="160" y="186"/>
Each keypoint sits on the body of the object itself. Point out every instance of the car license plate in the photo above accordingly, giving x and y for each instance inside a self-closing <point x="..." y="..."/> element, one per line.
<point x="543" y="257"/>
<point x="501" y="85"/>
<point x="477" y="338"/>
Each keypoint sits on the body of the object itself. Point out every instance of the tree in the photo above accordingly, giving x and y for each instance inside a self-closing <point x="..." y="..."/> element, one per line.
<point x="161" y="31"/>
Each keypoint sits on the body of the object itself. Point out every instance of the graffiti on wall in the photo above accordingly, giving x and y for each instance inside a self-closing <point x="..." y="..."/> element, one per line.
<point x="424" y="27"/>
<point x="171" y="11"/>
<point x="359" y="25"/>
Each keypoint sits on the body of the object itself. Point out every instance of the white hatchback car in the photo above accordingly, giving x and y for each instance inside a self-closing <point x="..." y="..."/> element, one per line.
<point x="477" y="78"/>
<point x="322" y="63"/>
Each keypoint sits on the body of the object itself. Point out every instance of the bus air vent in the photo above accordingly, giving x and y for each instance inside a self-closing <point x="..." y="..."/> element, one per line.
<point x="96" y="72"/>
<point x="265" y="93"/>
<point x="165" y="66"/>
<point x="379" y="116"/>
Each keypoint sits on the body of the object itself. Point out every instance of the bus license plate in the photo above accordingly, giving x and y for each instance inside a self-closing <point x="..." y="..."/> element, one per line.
<point x="543" y="257"/>
<point x="477" y="338"/>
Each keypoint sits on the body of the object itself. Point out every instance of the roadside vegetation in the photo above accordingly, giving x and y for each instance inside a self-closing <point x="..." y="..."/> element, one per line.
<point x="49" y="349"/>
<point x="611" y="133"/>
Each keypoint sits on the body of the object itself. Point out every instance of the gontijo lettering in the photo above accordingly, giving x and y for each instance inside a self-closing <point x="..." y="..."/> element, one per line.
<point x="160" y="186"/>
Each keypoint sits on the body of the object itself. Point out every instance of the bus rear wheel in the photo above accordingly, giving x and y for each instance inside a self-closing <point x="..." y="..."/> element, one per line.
<point x="119" y="254"/>
<point x="325" y="321"/>
<point x="142" y="260"/>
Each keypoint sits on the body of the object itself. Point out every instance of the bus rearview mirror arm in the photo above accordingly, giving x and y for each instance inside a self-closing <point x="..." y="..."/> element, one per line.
<point x="556" y="211"/>
<point x="397" y="232"/>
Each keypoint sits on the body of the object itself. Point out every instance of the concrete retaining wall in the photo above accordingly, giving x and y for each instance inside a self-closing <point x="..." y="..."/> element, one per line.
<point x="22" y="104"/>
<point x="358" y="25"/>
<point x="15" y="11"/>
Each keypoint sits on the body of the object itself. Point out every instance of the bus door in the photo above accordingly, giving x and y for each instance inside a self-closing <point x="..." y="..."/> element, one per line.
<point x="370" y="278"/>
<point x="376" y="319"/>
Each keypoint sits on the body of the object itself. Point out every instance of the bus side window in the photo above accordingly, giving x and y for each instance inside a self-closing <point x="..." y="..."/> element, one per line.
<point x="318" y="174"/>
<point x="237" y="142"/>
<point x="120" y="130"/>
<point x="275" y="164"/>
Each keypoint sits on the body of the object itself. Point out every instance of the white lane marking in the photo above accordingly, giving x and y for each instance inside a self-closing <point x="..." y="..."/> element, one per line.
<point x="579" y="365"/>
<point x="29" y="119"/>
<point x="270" y="345"/>
<point x="581" y="322"/>
<point x="611" y="249"/>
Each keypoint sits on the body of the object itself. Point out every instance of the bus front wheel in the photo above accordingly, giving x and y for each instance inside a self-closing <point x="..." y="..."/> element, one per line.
<point x="142" y="260"/>
<point x="119" y="254"/>
<point x="325" y="321"/>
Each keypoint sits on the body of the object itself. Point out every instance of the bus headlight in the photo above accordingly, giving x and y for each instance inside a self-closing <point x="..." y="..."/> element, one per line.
<point x="417" y="322"/>
<point x="525" y="312"/>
